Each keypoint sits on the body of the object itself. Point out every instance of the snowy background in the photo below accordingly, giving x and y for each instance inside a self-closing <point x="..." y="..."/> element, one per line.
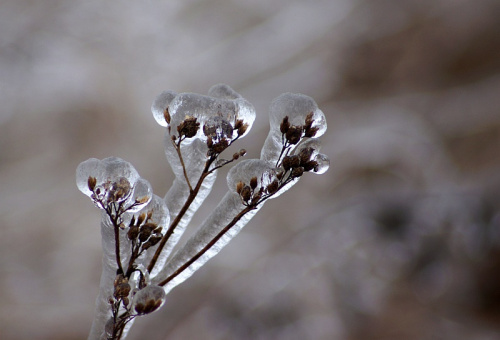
<point x="400" y="239"/>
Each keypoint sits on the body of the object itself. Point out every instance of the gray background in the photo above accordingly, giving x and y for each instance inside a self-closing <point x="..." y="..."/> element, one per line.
<point x="400" y="239"/>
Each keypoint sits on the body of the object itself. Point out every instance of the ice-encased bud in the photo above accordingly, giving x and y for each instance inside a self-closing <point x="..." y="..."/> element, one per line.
<point x="296" y="107"/>
<point x="249" y="169"/>
<point x="218" y="128"/>
<point x="148" y="299"/>
<point x="223" y="102"/>
<point x="311" y="147"/>
<point x="160" y="105"/>
<point x="114" y="181"/>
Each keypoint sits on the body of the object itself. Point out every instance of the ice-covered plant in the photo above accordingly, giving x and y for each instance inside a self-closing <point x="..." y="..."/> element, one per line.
<point x="140" y="229"/>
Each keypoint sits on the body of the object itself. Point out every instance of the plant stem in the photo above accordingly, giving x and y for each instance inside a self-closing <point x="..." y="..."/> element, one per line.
<point x="208" y="246"/>
<point x="192" y="195"/>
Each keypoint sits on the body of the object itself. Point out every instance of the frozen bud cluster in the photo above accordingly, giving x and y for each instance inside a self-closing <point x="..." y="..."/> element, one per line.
<point x="113" y="181"/>
<point x="292" y="116"/>
<point x="142" y="260"/>
<point x="148" y="299"/>
<point x="222" y="113"/>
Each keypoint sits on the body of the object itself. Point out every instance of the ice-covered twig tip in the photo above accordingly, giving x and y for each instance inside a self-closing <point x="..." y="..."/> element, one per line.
<point x="140" y="229"/>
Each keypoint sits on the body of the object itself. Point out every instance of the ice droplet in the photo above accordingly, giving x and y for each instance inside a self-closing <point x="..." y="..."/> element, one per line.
<point x="160" y="105"/>
<point x="223" y="91"/>
<point x="323" y="163"/>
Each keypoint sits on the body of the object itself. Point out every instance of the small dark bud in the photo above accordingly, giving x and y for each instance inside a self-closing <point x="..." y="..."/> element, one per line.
<point x="132" y="221"/>
<point x="297" y="172"/>
<point x="119" y="279"/>
<point x="239" y="187"/>
<point x="141" y="218"/>
<point x="285" y="125"/>
<point x="91" y="182"/>
<point x="294" y="134"/>
<point x="209" y="130"/>
<point x="150" y="214"/>
<point x="243" y="152"/>
<point x="256" y="197"/>
<point x="154" y="240"/>
<point x="310" y="131"/>
<point x="253" y="183"/>
<point x="294" y="161"/>
<point x="309" y="119"/>
<point x="246" y="193"/>
<point x="311" y="165"/>
<point x="122" y="290"/>
<point x="126" y="301"/>
<point x="236" y="156"/>
<point x="166" y="114"/>
<point x="133" y="232"/>
<point x="287" y="163"/>
<point x="149" y="307"/>
<point x="146" y="245"/>
<point x="146" y="231"/>
<point x="279" y="175"/>
<point x="210" y="142"/>
<point x="221" y="146"/>
<point x="189" y="127"/>
<point x="273" y="187"/>
<point x="238" y="124"/>
<point x="305" y="155"/>
<point x="242" y="129"/>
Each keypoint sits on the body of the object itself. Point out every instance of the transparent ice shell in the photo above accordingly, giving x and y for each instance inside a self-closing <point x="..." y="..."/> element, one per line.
<point x="296" y="107"/>
<point x="113" y="169"/>
<point x="221" y="101"/>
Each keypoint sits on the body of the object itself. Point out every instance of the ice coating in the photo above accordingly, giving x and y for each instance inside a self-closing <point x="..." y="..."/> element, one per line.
<point x="323" y="163"/>
<point x="246" y="169"/>
<point x="108" y="169"/>
<point x="222" y="102"/>
<point x="322" y="160"/>
<point x="148" y="299"/>
<point x="109" y="267"/>
<point x="223" y="91"/>
<point x="226" y="210"/>
<point x="160" y="105"/>
<point x="160" y="216"/>
<point x="110" y="174"/>
<point x="296" y="107"/>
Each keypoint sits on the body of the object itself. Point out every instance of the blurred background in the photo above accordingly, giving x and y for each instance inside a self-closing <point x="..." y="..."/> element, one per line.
<point x="400" y="239"/>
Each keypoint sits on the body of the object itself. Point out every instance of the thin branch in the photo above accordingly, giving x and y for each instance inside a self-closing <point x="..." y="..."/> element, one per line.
<point x="208" y="246"/>
<point x="178" y="150"/>
<point x="192" y="195"/>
